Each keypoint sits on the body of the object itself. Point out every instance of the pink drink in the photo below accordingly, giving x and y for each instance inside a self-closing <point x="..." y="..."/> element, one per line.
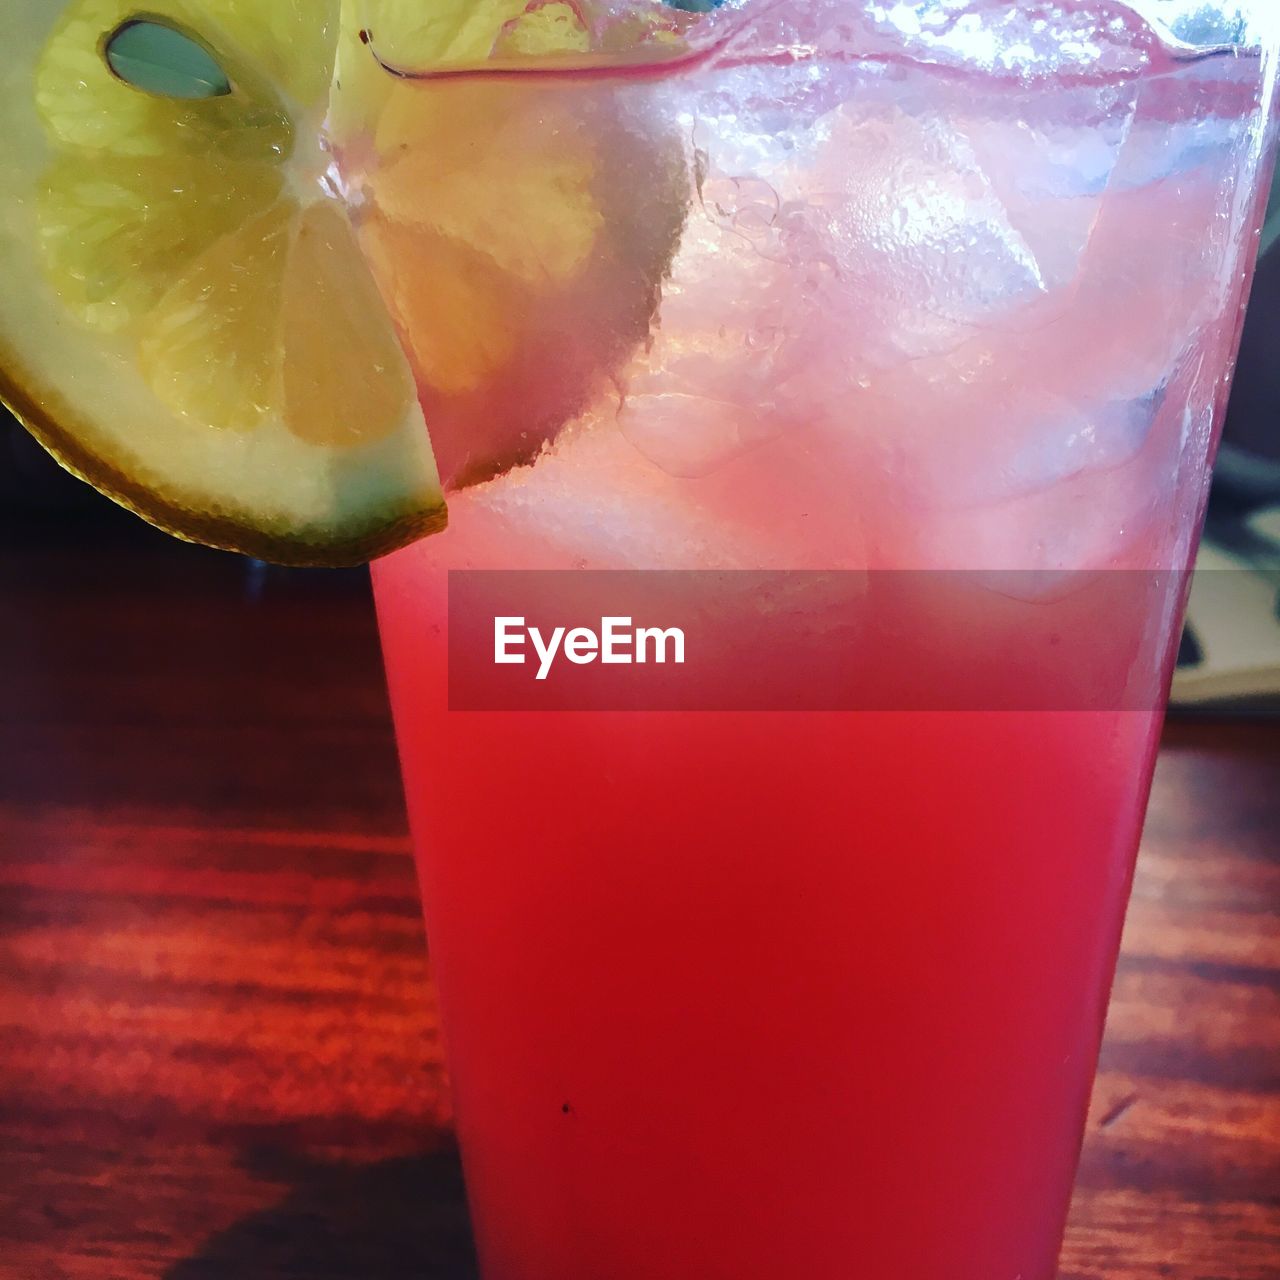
<point x="742" y="995"/>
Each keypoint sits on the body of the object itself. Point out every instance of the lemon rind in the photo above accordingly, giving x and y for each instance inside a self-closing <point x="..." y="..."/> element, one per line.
<point x="293" y="549"/>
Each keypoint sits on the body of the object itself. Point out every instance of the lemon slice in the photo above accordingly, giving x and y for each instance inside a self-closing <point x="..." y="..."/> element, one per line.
<point x="520" y="228"/>
<point x="186" y="319"/>
<point x="524" y="285"/>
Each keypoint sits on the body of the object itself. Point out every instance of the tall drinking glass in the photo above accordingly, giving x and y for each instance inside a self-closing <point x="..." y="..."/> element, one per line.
<point x="928" y="314"/>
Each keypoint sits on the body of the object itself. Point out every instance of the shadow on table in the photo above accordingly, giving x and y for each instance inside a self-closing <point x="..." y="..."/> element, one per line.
<point x="399" y="1219"/>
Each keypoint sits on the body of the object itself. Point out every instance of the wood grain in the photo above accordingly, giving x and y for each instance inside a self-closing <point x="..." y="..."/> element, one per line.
<point x="219" y="1048"/>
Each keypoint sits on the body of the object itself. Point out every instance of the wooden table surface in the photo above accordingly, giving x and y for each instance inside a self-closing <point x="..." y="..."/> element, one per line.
<point x="219" y="1050"/>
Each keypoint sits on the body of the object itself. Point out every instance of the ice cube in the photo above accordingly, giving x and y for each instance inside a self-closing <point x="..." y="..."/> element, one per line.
<point x="925" y="248"/>
<point x="736" y="346"/>
<point x="690" y="435"/>
<point x="1050" y="169"/>
<point x="1086" y="437"/>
